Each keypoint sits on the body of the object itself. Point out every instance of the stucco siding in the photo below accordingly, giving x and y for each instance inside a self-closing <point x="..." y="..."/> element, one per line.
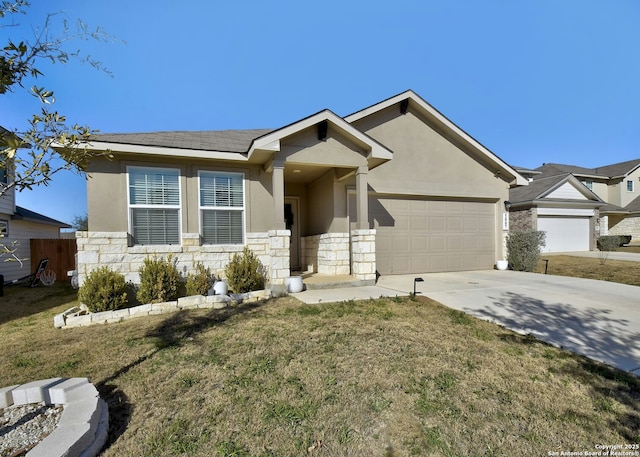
<point x="335" y="151"/>
<point x="107" y="193"/>
<point x="425" y="162"/>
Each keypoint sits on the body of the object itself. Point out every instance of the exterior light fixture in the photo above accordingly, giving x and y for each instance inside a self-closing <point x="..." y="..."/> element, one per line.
<point x="415" y="281"/>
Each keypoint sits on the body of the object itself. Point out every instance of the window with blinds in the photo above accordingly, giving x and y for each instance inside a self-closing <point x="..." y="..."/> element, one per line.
<point x="222" y="207"/>
<point x="154" y="205"/>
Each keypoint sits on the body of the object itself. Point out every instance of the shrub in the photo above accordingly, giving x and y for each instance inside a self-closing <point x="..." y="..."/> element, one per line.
<point x="606" y="244"/>
<point x="523" y="249"/>
<point x="103" y="290"/>
<point x="245" y="272"/>
<point x="200" y="282"/>
<point x="609" y="242"/>
<point x="160" y="280"/>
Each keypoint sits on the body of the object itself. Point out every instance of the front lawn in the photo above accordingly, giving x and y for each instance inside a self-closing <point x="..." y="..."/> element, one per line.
<point x="381" y="377"/>
<point x="621" y="271"/>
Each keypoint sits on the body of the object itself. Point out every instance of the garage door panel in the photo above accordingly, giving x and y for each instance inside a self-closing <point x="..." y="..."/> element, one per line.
<point x="565" y="234"/>
<point x="433" y="235"/>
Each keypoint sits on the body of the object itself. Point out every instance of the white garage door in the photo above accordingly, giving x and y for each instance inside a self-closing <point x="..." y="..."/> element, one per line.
<point x="423" y="236"/>
<point x="565" y="234"/>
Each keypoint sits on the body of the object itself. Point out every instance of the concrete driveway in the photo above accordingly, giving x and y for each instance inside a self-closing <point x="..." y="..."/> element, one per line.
<point x="598" y="319"/>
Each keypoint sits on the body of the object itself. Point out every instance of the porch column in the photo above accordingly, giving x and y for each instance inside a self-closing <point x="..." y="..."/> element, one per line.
<point x="277" y="184"/>
<point x="362" y="199"/>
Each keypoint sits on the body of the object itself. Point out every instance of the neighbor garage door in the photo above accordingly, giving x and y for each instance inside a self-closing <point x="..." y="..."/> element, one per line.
<point x="565" y="234"/>
<point x="423" y="236"/>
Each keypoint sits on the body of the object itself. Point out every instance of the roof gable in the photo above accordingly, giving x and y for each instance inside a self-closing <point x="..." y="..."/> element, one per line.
<point x="565" y="188"/>
<point x="410" y="98"/>
<point x="269" y="143"/>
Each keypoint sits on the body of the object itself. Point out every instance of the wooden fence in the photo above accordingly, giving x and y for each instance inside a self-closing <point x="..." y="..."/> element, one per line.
<point x="60" y="252"/>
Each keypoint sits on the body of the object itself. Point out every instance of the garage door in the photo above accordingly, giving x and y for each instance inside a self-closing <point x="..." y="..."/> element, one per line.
<point x="423" y="236"/>
<point x="565" y="234"/>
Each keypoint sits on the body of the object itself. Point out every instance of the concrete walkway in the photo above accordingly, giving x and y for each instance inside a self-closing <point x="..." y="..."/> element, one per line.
<point x="598" y="319"/>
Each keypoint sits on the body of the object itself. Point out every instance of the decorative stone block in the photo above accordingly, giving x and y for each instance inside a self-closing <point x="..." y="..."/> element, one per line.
<point x="6" y="396"/>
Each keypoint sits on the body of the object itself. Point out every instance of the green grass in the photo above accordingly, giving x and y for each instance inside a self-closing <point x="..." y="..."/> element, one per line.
<point x="387" y="377"/>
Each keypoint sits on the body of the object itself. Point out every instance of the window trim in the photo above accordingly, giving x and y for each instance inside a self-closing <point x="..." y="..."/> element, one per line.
<point x="131" y="207"/>
<point x="242" y="209"/>
<point x="588" y="184"/>
<point x="630" y="183"/>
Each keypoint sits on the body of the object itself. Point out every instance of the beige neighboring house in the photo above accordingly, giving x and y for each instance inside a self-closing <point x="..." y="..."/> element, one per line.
<point x="617" y="185"/>
<point x="394" y="188"/>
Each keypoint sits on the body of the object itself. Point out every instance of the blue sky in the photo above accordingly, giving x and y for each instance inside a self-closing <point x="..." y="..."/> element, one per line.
<point x="535" y="82"/>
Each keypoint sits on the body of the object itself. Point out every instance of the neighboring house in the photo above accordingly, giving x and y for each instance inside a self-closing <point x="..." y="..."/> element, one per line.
<point x="618" y="185"/>
<point x="19" y="225"/>
<point x="393" y="188"/>
<point x="559" y="205"/>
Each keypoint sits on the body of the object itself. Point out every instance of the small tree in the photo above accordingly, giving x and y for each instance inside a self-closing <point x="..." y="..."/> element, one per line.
<point x="245" y="272"/>
<point x="607" y="244"/>
<point x="30" y="156"/>
<point x="523" y="249"/>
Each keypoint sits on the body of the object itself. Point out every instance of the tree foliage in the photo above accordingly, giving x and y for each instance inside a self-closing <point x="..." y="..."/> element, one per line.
<point x="47" y="143"/>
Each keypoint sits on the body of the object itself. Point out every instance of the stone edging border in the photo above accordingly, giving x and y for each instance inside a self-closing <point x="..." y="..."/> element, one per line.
<point x="78" y="316"/>
<point x="83" y="426"/>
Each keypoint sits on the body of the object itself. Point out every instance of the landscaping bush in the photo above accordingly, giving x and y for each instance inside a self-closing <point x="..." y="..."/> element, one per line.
<point x="245" y="272"/>
<point x="609" y="242"/>
<point x="160" y="280"/>
<point x="612" y="242"/>
<point x="523" y="249"/>
<point x="104" y="290"/>
<point x="200" y="282"/>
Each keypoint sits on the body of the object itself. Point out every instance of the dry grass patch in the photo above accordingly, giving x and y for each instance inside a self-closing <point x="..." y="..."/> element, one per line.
<point x="620" y="271"/>
<point x="387" y="377"/>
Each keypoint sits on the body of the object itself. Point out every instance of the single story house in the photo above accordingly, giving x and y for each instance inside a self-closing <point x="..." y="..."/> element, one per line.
<point x="559" y="205"/>
<point x="393" y="188"/>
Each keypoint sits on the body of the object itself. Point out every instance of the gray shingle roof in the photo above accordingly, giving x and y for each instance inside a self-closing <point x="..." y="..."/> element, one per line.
<point x="634" y="206"/>
<point x="24" y="213"/>
<point x="535" y="189"/>
<point x="215" y="140"/>
<point x="607" y="171"/>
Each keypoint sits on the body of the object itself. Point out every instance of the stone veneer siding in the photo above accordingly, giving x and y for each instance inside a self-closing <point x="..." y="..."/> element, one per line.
<point x="335" y="254"/>
<point x="522" y="219"/>
<point x="626" y="226"/>
<point x="97" y="249"/>
<point x="326" y="254"/>
<point x="363" y="254"/>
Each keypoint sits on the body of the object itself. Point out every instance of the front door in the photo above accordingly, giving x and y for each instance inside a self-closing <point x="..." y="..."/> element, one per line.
<point x="291" y="212"/>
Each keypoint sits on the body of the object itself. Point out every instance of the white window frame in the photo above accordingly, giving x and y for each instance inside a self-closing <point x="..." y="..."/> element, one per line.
<point x="131" y="206"/>
<point x="630" y="186"/>
<point x="241" y="209"/>
<point x="589" y="184"/>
